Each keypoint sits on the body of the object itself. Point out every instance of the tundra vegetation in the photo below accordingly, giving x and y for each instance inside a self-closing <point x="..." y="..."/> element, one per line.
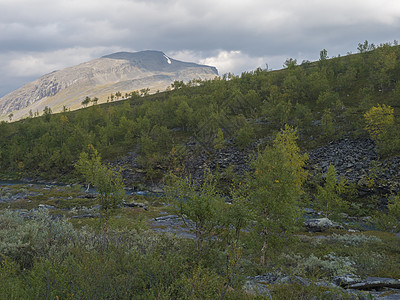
<point x="62" y="242"/>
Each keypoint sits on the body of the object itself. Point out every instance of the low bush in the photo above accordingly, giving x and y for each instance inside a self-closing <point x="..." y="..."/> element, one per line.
<point x="23" y="241"/>
<point x="354" y="239"/>
<point x="314" y="267"/>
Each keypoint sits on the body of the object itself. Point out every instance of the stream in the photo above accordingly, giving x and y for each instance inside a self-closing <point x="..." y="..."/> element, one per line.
<point x="128" y="191"/>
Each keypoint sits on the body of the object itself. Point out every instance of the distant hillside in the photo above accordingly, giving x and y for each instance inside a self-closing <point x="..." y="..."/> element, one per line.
<point x="119" y="72"/>
<point x="217" y="123"/>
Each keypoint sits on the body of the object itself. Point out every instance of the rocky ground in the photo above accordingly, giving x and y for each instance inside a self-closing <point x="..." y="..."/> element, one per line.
<point x="342" y="287"/>
<point x="352" y="158"/>
<point x="355" y="159"/>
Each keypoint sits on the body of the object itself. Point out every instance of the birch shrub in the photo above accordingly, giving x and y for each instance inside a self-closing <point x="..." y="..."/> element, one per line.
<point x="276" y="187"/>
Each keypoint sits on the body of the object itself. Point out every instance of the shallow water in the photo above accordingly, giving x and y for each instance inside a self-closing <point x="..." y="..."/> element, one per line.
<point x="91" y="190"/>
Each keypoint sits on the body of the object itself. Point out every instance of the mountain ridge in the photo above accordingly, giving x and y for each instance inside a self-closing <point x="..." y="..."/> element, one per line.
<point x="149" y="56"/>
<point x="121" y="71"/>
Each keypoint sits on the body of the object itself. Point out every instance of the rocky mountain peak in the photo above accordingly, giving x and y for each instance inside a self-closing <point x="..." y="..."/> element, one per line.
<point x="118" y="72"/>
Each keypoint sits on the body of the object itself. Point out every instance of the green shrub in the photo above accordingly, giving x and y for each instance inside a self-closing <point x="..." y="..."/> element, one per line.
<point x="202" y="204"/>
<point x="390" y="220"/>
<point x="328" y="197"/>
<point x="11" y="285"/>
<point x="41" y="236"/>
<point x="202" y="283"/>
<point x="381" y="125"/>
<point x="244" y="136"/>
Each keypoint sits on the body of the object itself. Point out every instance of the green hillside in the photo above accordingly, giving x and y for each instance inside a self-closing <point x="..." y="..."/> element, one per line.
<point x="325" y="100"/>
<point x="249" y="168"/>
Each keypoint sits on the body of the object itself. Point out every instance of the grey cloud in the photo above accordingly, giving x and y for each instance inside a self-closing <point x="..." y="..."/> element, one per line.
<point x="263" y="31"/>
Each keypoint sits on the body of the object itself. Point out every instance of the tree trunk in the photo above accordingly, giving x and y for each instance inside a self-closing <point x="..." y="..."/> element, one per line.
<point x="105" y="223"/>
<point x="199" y="238"/>
<point x="264" y="248"/>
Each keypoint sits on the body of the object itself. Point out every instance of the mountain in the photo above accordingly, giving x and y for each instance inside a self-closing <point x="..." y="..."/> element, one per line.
<point x="123" y="71"/>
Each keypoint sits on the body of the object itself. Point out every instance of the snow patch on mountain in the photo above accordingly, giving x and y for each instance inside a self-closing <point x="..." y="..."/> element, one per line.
<point x="168" y="60"/>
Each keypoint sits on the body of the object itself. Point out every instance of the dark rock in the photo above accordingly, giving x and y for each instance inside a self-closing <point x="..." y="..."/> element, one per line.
<point x="272" y="278"/>
<point x="87" y="196"/>
<point x="163" y="218"/>
<point x="45" y="206"/>
<point x="346" y="155"/>
<point x="157" y="190"/>
<point x="86" y="216"/>
<point x="19" y="196"/>
<point x="174" y="225"/>
<point x="318" y="225"/>
<point x="346" y="280"/>
<point x="292" y="280"/>
<point x="376" y="283"/>
<point x="177" y="231"/>
<point x="199" y="158"/>
<point x="335" y="292"/>
<point x="255" y="288"/>
<point x="133" y="204"/>
<point x="357" y="161"/>
<point x="309" y="211"/>
<point x="387" y="295"/>
<point x="267" y="278"/>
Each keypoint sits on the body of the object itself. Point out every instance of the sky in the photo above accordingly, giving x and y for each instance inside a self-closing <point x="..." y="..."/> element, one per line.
<point x="40" y="36"/>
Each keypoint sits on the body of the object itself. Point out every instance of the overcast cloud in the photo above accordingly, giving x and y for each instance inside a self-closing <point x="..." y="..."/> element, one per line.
<point x="40" y="36"/>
